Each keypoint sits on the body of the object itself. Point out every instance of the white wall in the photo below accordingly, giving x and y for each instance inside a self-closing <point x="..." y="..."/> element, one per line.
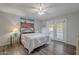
<point x="72" y="28"/>
<point x="37" y="25"/>
<point x="7" y="23"/>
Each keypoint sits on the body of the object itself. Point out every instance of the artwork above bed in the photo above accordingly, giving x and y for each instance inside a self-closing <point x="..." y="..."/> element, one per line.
<point x="27" y="25"/>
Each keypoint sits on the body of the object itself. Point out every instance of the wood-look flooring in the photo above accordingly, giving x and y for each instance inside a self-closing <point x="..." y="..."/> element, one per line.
<point x="54" y="48"/>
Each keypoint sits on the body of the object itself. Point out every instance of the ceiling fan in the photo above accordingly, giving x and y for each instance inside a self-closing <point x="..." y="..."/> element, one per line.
<point x="41" y="10"/>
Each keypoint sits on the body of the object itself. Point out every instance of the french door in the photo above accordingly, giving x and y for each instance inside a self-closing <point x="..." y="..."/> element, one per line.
<point x="57" y="30"/>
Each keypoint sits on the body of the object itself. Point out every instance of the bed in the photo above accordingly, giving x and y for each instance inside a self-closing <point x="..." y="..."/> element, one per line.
<point x="34" y="40"/>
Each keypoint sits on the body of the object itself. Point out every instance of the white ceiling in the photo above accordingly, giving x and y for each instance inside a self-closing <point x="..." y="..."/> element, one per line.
<point x="30" y="9"/>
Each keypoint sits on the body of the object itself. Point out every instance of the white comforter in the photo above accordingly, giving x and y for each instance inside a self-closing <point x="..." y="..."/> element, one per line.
<point x="32" y="41"/>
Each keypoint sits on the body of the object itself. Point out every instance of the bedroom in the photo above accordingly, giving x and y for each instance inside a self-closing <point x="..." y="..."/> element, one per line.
<point x="54" y="29"/>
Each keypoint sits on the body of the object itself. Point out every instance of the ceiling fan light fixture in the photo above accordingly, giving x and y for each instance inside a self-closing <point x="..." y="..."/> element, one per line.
<point x="41" y="10"/>
<point x="41" y="13"/>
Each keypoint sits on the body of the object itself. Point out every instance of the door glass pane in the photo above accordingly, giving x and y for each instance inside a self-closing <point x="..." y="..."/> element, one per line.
<point x="51" y="30"/>
<point x="51" y="27"/>
<point x="60" y="31"/>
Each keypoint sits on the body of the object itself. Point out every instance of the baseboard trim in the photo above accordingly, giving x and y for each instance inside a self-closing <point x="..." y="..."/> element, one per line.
<point x="64" y="42"/>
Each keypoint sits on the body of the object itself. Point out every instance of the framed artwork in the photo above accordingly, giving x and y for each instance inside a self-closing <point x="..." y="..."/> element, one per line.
<point x="27" y="25"/>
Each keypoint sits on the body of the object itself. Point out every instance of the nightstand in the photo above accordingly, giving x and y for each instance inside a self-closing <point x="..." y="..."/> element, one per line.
<point x="14" y="38"/>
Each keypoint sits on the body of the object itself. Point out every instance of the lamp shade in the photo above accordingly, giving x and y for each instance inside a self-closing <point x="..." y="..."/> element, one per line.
<point x="15" y="30"/>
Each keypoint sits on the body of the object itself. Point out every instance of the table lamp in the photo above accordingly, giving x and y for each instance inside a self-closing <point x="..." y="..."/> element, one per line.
<point x="15" y="31"/>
